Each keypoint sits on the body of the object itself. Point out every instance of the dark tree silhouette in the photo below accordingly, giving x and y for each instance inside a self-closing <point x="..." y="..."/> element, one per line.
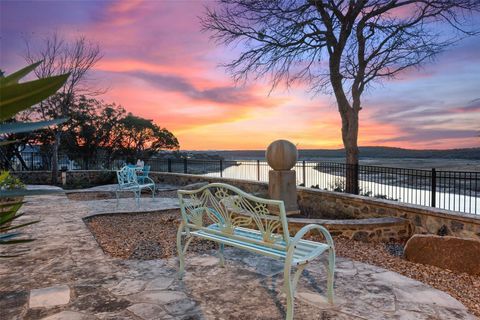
<point x="338" y="47"/>
<point x="60" y="56"/>
<point x="140" y="138"/>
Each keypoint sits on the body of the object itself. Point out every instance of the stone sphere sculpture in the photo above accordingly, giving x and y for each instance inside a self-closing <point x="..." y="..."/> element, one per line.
<point x="281" y="155"/>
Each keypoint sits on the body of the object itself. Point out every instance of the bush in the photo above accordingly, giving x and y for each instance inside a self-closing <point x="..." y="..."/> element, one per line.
<point x="9" y="182"/>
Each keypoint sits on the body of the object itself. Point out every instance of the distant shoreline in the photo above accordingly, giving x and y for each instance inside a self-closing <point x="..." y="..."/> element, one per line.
<point x="467" y="159"/>
<point x="366" y="154"/>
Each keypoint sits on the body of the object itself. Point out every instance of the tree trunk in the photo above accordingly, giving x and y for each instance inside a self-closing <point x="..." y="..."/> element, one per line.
<point x="55" y="158"/>
<point x="22" y="161"/>
<point x="5" y="164"/>
<point x="349" y="137"/>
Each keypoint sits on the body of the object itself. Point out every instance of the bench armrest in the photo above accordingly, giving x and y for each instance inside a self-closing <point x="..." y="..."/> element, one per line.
<point x="148" y="178"/>
<point x="301" y="233"/>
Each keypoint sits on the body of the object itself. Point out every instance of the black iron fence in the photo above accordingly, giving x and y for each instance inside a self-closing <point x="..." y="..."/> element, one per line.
<point x="451" y="190"/>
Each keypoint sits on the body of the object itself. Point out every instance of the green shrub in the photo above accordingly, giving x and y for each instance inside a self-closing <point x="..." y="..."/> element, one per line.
<point x="9" y="182"/>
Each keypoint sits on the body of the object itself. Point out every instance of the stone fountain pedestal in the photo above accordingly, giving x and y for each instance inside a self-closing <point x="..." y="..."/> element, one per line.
<point x="281" y="157"/>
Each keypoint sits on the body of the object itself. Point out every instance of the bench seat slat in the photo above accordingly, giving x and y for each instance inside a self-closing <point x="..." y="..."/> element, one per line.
<point x="252" y="232"/>
<point x="242" y="245"/>
<point x="305" y="245"/>
<point x="303" y="251"/>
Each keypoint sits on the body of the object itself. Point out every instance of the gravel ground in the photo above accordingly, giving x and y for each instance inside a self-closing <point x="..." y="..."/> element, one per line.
<point x="142" y="236"/>
<point x="153" y="236"/>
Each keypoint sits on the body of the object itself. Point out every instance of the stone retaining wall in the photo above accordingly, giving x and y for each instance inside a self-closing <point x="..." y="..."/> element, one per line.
<point x="425" y="220"/>
<point x="373" y="229"/>
<point x="316" y="204"/>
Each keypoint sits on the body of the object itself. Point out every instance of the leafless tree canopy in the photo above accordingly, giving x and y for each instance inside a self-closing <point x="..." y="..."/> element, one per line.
<point x="60" y="56"/>
<point x="331" y="43"/>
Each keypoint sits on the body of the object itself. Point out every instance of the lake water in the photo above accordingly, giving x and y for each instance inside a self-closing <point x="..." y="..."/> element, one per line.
<point x="249" y="170"/>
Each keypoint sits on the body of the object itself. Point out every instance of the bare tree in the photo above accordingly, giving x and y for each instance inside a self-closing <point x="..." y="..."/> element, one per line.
<point x="60" y="56"/>
<point x="336" y="46"/>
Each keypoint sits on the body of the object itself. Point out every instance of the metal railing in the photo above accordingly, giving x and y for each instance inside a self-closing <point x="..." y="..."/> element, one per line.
<point x="451" y="190"/>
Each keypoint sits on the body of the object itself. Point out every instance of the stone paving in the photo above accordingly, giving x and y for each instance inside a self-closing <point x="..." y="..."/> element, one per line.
<point x="65" y="275"/>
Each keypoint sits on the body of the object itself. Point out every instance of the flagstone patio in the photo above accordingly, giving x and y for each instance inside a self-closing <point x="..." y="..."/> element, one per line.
<point x="66" y="275"/>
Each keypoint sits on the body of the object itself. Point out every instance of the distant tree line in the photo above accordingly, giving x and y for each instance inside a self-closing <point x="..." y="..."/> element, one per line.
<point x="94" y="129"/>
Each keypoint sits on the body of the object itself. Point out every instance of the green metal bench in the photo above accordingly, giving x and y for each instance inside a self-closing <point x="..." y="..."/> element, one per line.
<point x="128" y="181"/>
<point x="227" y="215"/>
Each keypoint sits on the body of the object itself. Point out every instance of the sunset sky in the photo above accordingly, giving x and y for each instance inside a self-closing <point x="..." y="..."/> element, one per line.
<point x="159" y="65"/>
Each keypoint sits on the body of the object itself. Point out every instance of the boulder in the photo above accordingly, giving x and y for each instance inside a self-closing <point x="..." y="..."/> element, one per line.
<point x="456" y="254"/>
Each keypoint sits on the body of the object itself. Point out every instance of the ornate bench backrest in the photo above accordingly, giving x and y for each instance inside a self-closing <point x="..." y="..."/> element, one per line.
<point x="127" y="177"/>
<point x="228" y="208"/>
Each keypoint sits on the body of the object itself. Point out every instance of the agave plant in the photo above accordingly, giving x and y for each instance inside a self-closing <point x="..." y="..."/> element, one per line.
<point x="14" y="98"/>
<point x="8" y="213"/>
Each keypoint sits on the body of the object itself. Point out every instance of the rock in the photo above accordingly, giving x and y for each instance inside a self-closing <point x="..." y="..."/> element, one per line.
<point x="361" y="236"/>
<point x="158" y="297"/>
<point x="128" y="286"/>
<point x="180" y="307"/>
<point x="49" y="297"/>
<point x="70" y="315"/>
<point x="147" y="311"/>
<point x="12" y="303"/>
<point x="160" y="283"/>
<point x="314" y="298"/>
<point x="395" y="249"/>
<point x="456" y="254"/>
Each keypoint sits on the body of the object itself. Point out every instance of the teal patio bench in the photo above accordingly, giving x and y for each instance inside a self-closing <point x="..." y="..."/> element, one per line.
<point x="229" y="216"/>
<point x="128" y="181"/>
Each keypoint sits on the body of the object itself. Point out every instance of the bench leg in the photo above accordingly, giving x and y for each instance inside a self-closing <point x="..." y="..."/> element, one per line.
<point x="137" y="197"/>
<point x="296" y="277"/>
<point x="288" y="288"/>
<point x="331" y="274"/>
<point x="181" y="256"/>
<point x="221" y="256"/>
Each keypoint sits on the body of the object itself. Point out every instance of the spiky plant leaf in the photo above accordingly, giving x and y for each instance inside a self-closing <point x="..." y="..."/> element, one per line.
<point x="6" y="222"/>
<point x="17" y="97"/>
<point x="18" y="226"/>
<point x="16" y="76"/>
<point x="7" y="236"/>
<point x="19" y="127"/>
<point x="12" y="255"/>
<point x="8" y="204"/>
<point x="15" y="241"/>
<point x="9" y="215"/>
